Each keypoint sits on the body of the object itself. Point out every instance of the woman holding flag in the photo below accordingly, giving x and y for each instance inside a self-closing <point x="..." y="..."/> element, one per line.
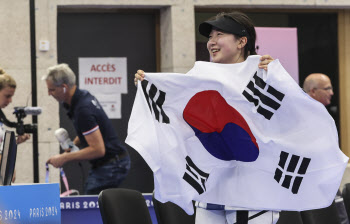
<point x="231" y="39"/>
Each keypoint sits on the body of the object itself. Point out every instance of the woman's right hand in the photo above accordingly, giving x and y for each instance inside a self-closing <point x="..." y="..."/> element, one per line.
<point x="139" y="75"/>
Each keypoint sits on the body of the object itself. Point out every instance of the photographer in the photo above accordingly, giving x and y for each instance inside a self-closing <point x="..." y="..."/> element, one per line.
<point x="7" y="90"/>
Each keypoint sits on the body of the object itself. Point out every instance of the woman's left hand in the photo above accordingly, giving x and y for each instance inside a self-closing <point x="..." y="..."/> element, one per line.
<point x="264" y="61"/>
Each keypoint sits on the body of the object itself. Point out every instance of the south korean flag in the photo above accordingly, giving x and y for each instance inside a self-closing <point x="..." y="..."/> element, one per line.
<point x="237" y="136"/>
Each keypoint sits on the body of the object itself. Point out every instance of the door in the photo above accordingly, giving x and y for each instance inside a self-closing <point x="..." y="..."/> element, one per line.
<point x="113" y="34"/>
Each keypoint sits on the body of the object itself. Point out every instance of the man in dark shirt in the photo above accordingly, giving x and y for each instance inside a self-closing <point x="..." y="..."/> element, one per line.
<point x="96" y="137"/>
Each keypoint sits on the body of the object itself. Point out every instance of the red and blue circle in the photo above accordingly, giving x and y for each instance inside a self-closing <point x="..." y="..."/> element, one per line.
<point x="221" y="129"/>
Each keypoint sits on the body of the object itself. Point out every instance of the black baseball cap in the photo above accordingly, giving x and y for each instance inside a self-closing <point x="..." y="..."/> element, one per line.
<point x="224" y="23"/>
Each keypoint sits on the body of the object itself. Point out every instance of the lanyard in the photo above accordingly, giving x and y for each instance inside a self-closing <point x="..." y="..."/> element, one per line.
<point x="64" y="179"/>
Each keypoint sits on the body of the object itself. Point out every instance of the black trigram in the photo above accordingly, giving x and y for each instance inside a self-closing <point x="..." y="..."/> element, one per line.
<point x="155" y="99"/>
<point x="285" y="173"/>
<point x="194" y="176"/>
<point x="266" y="98"/>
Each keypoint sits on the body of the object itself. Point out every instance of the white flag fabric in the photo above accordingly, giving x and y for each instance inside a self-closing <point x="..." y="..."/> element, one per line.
<point x="236" y="135"/>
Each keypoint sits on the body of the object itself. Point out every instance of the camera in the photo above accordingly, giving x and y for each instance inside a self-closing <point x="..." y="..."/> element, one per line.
<point x="20" y="113"/>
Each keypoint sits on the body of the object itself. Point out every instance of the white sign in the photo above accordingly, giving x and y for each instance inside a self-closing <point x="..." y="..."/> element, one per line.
<point x="103" y="75"/>
<point x="111" y="105"/>
<point x="106" y="79"/>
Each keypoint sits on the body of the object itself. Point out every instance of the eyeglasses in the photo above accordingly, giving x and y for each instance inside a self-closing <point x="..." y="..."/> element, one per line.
<point x="327" y="88"/>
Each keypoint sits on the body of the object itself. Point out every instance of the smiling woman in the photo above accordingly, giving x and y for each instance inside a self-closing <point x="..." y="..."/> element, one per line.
<point x="231" y="36"/>
<point x="231" y="40"/>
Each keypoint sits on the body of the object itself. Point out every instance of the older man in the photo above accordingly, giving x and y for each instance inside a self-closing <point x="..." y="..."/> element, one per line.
<point x="95" y="134"/>
<point x="319" y="87"/>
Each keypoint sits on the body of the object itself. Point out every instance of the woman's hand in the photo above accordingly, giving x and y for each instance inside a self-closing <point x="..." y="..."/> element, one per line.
<point x="264" y="61"/>
<point x="140" y="75"/>
<point x="22" y="138"/>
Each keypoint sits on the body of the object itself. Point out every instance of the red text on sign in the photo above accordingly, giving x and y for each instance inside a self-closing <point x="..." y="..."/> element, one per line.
<point x="103" y="68"/>
<point x="103" y="81"/>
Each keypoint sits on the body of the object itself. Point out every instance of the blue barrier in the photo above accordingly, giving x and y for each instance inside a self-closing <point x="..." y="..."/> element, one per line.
<point x="35" y="203"/>
<point x="84" y="209"/>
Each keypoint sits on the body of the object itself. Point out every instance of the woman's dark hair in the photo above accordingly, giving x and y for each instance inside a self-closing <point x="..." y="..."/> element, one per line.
<point x="244" y="20"/>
